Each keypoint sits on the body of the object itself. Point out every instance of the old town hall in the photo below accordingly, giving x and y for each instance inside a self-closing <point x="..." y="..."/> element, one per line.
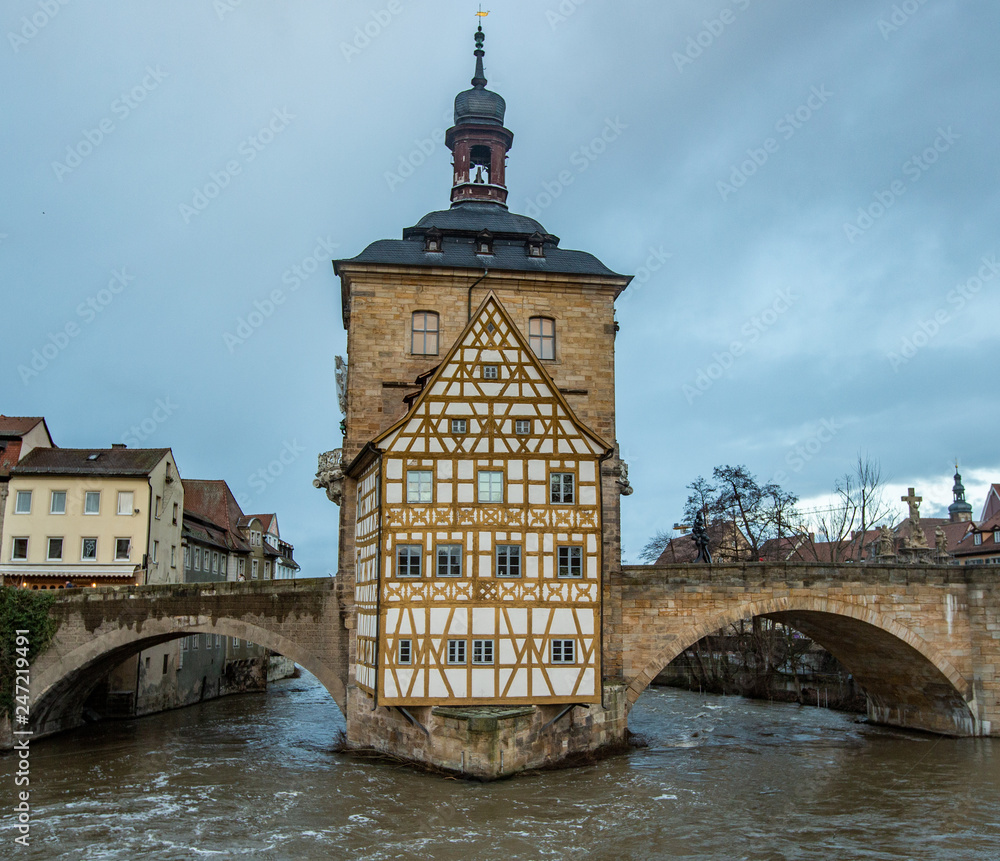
<point x="479" y="480"/>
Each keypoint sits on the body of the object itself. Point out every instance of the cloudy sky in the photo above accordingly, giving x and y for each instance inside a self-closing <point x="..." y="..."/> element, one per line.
<point x="806" y="193"/>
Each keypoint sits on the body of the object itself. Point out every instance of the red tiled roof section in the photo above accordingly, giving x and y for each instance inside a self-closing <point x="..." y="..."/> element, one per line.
<point x="265" y="520"/>
<point x="79" y="461"/>
<point x="212" y="500"/>
<point x="17" y="425"/>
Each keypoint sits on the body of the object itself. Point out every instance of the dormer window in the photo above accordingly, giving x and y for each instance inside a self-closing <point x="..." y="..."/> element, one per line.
<point x="536" y="245"/>
<point x="432" y="240"/>
<point x="484" y="242"/>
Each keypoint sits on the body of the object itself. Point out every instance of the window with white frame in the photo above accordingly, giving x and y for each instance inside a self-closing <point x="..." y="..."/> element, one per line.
<point x="253" y="570"/>
<point x="449" y="560"/>
<point x="22" y="502"/>
<point x="406" y="651"/>
<point x="156" y="551"/>
<point x="187" y="556"/>
<point x="561" y="488"/>
<point x="175" y="514"/>
<point x="564" y="651"/>
<point x="222" y="564"/>
<point x="408" y="558"/>
<point x="456" y="651"/>
<point x="522" y="426"/>
<point x="570" y="561"/>
<point x="459" y="426"/>
<point x="19" y="550"/>
<point x="88" y="550"/>
<point x="424" y="333"/>
<point x="92" y="502"/>
<point x="215" y="561"/>
<point x="482" y="651"/>
<point x="158" y="507"/>
<point x="490" y="485"/>
<point x="57" y="504"/>
<point x="977" y="538"/>
<point x="173" y="555"/>
<point x="267" y="570"/>
<point x="125" y="502"/>
<point x="508" y="560"/>
<point x="55" y="550"/>
<point x="419" y="485"/>
<point x="197" y="558"/>
<point x="123" y="549"/>
<point x="242" y="567"/>
<point x="491" y="372"/>
<point x="542" y="337"/>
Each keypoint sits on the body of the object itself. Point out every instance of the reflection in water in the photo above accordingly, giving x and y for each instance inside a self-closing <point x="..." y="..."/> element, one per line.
<point x="254" y="776"/>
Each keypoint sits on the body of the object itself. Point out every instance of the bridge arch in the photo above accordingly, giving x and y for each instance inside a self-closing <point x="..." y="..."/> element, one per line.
<point x="62" y="682"/>
<point x="909" y="681"/>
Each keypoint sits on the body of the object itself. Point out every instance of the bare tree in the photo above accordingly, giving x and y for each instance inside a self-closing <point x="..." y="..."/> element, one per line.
<point x="652" y="549"/>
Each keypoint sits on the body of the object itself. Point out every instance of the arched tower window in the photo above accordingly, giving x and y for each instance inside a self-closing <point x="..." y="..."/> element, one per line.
<point x="424" y="333"/>
<point x="480" y="159"/>
<point x="542" y="337"/>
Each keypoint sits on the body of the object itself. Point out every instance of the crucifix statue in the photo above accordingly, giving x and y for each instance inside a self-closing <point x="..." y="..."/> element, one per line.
<point x="700" y="535"/>
<point x="913" y="501"/>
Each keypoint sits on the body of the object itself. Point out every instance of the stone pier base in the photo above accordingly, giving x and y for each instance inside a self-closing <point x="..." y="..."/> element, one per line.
<point x="488" y="742"/>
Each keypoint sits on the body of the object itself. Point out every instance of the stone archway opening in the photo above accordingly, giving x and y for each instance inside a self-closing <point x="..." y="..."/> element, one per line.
<point x="905" y="681"/>
<point x="61" y="690"/>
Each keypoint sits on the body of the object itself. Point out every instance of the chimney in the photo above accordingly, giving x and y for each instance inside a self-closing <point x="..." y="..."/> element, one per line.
<point x="118" y="445"/>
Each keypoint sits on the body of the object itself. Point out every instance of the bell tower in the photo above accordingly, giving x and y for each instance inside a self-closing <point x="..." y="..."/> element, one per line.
<point x="478" y="140"/>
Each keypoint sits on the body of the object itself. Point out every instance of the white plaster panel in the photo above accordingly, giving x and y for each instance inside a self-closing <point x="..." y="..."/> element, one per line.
<point x="537" y="494"/>
<point x="466" y="470"/>
<point x="483" y="622"/>
<point x="515" y="470"/>
<point x="515" y="494"/>
<point x="539" y="687"/>
<point x="539" y="621"/>
<point x="388" y="685"/>
<point x="394" y="493"/>
<point x="394" y="469"/>
<point x="458" y="681"/>
<point x="563" y="679"/>
<point x="531" y="565"/>
<point x="588" y="494"/>
<point x="466" y="492"/>
<point x="519" y="687"/>
<point x="483" y="683"/>
<point x="518" y="620"/>
<point x="438" y="621"/>
<point x="435" y="684"/>
<point x="536" y="470"/>
<point x="586" y="620"/>
<point x="505" y="654"/>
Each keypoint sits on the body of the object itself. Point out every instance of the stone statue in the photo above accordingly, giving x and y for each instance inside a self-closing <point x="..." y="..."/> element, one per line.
<point x="884" y="544"/>
<point x="341" y="377"/>
<point x="624" y="488"/>
<point x="941" y="541"/>
<point x="700" y="534"/>
<point x="330" y="475"/>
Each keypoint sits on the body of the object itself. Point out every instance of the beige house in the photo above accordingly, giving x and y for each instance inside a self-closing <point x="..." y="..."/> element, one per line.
<point x="92" y="516"/>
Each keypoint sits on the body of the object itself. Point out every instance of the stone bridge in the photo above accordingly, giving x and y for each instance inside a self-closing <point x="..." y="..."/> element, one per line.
<point x="100" y="628"/>
<point x="923" y="641"/>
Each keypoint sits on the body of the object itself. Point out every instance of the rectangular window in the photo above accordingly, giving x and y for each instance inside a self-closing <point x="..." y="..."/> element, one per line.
<point x="977" y="538"/>
<point x="195" y="641"/>
<point x="542" y="337"/>
<point x="482" y="651"/>
<point x="19" y="550"/>
<point x="158" y="507"/>
<point x="491" y="372"/>
<point x="175" y="514"/>
<point x="419" y="485"/>
<point x="173" y="555"/>
<point x="22" y="503"/>
<point x="88" y="552"/>
<point x="408" y="558"/>
<point x="253" y="574"/>
<point x="996" y="536"/>
<point x="197" y="558"/>
<point x="92" y="502"/>
<point x="508" y="560"/>
<point x="522" y="426"/>
<point x="458" y="426"/>
<point x="561" y="487"/>
<point x="267" y="570"/>
<point x="242" y="566"/>
<point x="222" y="564"/>
<point x="570" y="562"/>
<point x="406" y="651"/>
<point x="165" y="665"/>
<point x="424" y="334"/>
<point x="125" y="502"/>
<point x="563" y="651"/>
<point x="449" y="560"/>
<point x="456" y="651"/>
<point x="490" y="485"/>
<point x="57" y="505"/>
<point x="123" y="549"/>
<point x="55" y="550"/>
<point x="156" y="550"/>
<point x="187" y="556"/>
<point x="215" y="561"/>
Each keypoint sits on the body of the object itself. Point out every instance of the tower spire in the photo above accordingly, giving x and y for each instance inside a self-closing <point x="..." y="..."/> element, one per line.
<point x="478" y="139"/>
<point x="959" y="511"/>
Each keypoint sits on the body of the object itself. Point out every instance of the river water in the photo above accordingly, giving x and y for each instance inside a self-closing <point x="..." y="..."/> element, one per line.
<point x="255" y="776"/>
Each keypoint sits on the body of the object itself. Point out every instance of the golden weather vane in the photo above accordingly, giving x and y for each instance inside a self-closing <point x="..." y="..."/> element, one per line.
<point x="481" y="13"/>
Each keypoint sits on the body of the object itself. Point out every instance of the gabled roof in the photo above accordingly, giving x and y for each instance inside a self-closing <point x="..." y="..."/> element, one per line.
<point x="523" y="390"/>
<point x="991" y="508"/>
<point x="269" y="522"/>
<point x="18" y="426"/>
<point x="82" y="461"/>
<point x="211" y="501"/>
<point x="13" y="429"/>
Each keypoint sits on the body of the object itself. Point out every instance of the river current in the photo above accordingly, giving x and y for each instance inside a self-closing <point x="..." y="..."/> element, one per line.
<point x="256" y="776"/>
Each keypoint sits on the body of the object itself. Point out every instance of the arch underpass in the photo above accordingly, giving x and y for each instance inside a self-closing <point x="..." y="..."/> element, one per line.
<point x="907" y="637"/>
<point x="98" y="630"/>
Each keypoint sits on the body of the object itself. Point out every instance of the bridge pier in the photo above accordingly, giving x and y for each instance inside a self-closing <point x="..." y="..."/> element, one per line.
<point x="489" y="742"/>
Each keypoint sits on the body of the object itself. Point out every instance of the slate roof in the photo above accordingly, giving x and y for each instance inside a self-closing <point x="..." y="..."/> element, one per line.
<point x="76" y="461"/>
<point x="459" y="227"/>
<point x="17" y="425"/>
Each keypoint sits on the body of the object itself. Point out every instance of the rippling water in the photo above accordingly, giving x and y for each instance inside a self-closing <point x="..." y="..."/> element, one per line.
<point x="255" y="776"/>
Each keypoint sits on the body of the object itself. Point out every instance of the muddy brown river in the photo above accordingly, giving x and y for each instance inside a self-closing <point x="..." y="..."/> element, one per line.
<point x="256" y="777"/>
